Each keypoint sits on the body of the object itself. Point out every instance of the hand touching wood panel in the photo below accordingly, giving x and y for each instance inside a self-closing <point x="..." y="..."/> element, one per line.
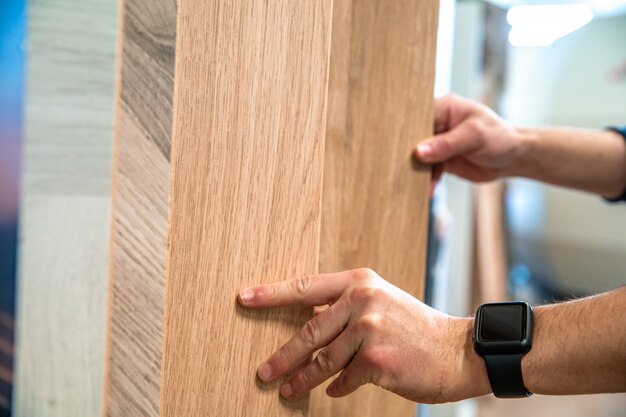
<point x="247" y="156"/>
<point x="375" y="202"/>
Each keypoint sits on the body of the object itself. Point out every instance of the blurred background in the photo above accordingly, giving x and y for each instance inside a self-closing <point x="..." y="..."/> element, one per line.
<point x="12" y="32"/>
<point x="536" y="65"/>
<point x="559" y="65"/>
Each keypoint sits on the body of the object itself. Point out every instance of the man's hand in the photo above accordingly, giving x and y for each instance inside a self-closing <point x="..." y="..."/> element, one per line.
<point x="372" y="332"/>
<point x="470" y="141"/>
<point x="473" y="142"/>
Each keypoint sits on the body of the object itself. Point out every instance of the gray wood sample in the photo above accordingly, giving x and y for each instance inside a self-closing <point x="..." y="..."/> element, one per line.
<point x="64" y="225"/>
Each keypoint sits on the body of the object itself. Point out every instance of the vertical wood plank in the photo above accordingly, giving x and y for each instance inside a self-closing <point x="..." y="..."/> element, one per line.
<point x="247" y="157"/>
<point x="489" y="281"/>
<point x="65" y="203"/>
<point x="375" y="201"/>
<point x="140" y="206"/>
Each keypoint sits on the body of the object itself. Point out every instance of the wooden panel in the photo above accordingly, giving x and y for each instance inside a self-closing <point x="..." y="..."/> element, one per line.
<point x="247" y="155"/>
<point x="65" y="208"/>
<point x="140" y="195"/>
<point x="69" y="97"/>
<point x="490" y="253"/>
<point x="62" y="299"/>
<point x="375" y="203"/>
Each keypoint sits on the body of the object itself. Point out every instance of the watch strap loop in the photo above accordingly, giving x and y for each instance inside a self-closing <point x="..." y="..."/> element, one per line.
<point x="505" y="375"/>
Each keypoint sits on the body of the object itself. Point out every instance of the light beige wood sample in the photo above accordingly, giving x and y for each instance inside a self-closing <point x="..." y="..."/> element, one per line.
<point x="247" y="157"/>
<point x="375" y="202"/>
<point x="140" y="206"/>
<point x="65" y="206"/>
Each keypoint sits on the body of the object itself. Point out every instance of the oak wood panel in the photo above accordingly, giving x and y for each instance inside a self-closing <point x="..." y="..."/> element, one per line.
<point x="375" y="201"/>
<point x="247" y="156"/>
<point x="140" y="207"/>
<point x="65" y="206"/>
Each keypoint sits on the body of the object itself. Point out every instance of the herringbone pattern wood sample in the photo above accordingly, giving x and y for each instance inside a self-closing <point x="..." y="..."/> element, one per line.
<point x="140" y="206"/>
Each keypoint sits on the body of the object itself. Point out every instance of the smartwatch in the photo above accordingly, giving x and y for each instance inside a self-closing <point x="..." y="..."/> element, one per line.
<point x="503" y="333"/>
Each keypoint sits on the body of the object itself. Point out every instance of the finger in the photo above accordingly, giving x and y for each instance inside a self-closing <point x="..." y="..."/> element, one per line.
<point x="311" y="290"/>
<point x="351" y="378"/>
<point x="319" y="309"/>
<point x="451" y="110"/>
<point x="461" y="140"/>
<point x="317" y="332"/>
<point x="327" y="363"/>
<point x="443" y="108"/>
<point x="467" y="170"/>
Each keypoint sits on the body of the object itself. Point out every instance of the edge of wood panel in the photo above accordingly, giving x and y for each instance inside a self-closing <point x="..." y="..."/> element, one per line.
<point x="114" y="183"/>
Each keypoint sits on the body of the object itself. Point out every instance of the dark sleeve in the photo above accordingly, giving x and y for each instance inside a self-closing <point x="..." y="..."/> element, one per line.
<point x="621" y="131"/>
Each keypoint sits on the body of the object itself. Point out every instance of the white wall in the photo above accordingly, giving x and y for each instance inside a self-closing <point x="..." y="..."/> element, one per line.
<point x="567" y="82"/>
<point x="582" y="245"/>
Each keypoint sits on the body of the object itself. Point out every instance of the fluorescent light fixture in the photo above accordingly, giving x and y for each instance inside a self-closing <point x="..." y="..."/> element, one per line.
<point x="541" y="25"/>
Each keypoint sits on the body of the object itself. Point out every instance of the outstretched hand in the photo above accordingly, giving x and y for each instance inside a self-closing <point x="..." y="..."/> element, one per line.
<point x="372" y="332"/>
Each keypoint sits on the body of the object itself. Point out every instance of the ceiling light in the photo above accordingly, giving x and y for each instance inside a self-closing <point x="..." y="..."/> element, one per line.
<point x="541" y="25"/>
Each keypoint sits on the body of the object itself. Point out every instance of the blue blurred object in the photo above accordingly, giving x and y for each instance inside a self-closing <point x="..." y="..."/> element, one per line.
<point x="12" y="36"/>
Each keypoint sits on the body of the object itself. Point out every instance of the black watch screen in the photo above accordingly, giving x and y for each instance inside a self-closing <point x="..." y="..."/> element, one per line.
<point x="502" y="328"/>
<point x="502" y="323"/>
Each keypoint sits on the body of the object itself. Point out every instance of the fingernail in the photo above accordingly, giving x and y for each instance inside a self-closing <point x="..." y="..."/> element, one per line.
<point x="286" y="390"/>
<point x="424" y="150"/>
<point x="246" y="295"/>
<point x="265" y="371"/>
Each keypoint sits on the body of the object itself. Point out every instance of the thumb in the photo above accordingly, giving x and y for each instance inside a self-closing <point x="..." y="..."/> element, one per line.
<point x="444" y="146"/>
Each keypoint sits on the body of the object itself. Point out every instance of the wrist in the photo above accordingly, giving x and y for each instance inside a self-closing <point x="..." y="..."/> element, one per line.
<point x="526" y="144"/>
<point x="530" y="363"/>
<point x="470" y="376"/>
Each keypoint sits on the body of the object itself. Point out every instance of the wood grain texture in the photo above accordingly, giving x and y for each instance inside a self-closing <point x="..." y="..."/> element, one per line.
<point x="490" y="247"/>
<point x="140" y="207"/>
<point x="375" y="202"/>
<point x="69" y="97"/>
<point x="62" y="303"/>
<point x="247" y="156"/>
<point x="65" y="206"/>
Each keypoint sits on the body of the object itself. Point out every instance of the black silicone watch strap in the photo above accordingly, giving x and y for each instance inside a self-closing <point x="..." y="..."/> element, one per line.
<point x="505" y="375"/>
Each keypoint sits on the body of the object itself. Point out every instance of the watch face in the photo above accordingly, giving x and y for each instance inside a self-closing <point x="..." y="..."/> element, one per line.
<point x="502" y="323"/>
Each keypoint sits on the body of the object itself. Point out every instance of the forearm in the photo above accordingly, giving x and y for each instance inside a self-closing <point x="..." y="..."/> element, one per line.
<point x="578" y="347"/>
<point x="587" y="160"/>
